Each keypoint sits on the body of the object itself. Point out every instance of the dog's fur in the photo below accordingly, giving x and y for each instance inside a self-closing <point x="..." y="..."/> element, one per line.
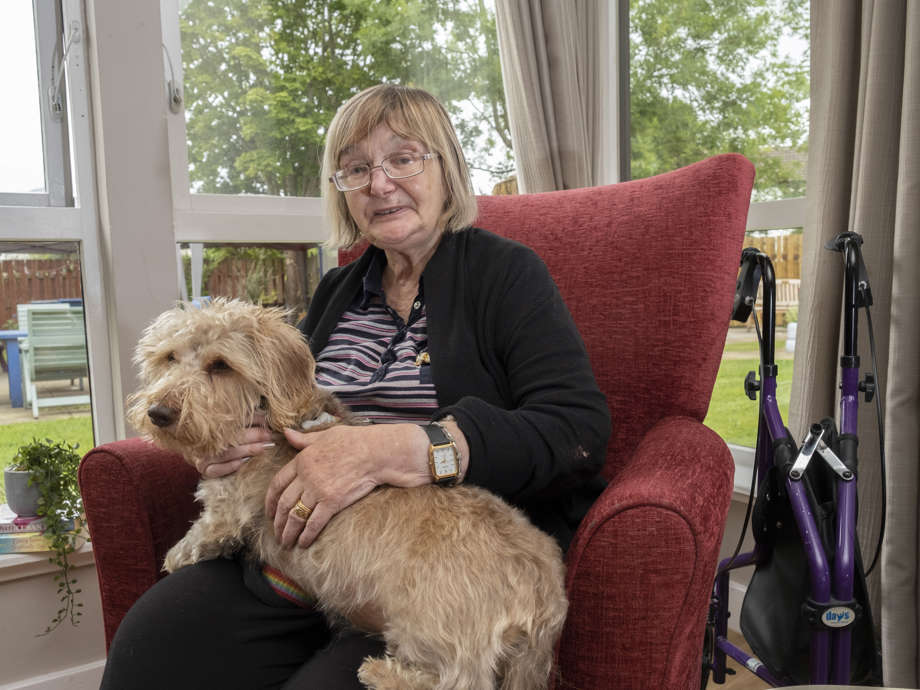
<point x="472" y="594"/>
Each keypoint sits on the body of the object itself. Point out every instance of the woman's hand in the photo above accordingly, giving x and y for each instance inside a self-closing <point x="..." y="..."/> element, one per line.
<point x="337" y="467"/>
<point x="256" y="439"/>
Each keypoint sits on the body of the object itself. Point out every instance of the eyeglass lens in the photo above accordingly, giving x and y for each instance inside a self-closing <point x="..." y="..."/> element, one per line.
<point x="397" y="166"/>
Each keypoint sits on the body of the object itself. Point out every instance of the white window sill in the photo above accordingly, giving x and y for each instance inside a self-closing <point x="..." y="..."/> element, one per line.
<point x="18" y="566"/>
<point x="744" y="470"/>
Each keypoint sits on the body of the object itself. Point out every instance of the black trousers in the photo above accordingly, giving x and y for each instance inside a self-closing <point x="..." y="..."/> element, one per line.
<point x="218" y="624"/>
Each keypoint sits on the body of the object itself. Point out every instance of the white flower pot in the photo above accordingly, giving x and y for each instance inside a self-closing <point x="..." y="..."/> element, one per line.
<point x="22" y="498"/>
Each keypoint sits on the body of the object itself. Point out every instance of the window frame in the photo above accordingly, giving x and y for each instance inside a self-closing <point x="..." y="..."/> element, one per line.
<point x="53" y="218"/>
<point x="226" y="218"/>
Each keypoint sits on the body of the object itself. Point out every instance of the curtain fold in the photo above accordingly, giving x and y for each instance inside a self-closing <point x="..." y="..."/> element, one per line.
<point x="864" y="175"/>
<point x="549" y="61"/>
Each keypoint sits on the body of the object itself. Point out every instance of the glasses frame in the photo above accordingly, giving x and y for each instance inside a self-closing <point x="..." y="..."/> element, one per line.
<point x="424" y="157"/>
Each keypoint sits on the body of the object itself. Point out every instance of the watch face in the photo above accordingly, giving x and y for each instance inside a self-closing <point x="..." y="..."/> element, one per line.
<point x="445" y="461"/>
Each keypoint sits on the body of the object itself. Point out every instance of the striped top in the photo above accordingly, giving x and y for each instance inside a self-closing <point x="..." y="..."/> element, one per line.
<point x="377" y="363"/>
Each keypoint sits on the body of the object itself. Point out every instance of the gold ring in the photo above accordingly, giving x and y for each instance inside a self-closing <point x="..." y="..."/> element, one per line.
<point x="301" y="511"/>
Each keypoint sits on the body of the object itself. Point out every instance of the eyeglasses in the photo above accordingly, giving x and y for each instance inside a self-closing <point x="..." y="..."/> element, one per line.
<point x="396" y="166"/>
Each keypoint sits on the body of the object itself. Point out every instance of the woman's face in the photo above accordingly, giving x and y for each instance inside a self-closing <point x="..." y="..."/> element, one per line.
<point x="400" y="215"/>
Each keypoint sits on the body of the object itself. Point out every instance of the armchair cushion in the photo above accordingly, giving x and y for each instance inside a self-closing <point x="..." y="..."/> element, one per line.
<point x="647" y="269"/>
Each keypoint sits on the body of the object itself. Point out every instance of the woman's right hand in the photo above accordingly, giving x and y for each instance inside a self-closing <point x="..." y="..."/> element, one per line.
<point x="255" y="439"/>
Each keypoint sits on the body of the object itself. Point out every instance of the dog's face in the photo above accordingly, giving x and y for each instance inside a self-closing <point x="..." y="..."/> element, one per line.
<point x="205" y="372"/>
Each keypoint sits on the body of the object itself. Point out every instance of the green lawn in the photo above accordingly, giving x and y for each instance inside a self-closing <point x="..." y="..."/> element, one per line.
<point x="753" y="347"/>
<point x="77" y="430"/>
<point x="731" y="413"/>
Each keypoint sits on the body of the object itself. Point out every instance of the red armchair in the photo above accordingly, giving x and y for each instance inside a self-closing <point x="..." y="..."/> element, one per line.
<point x="647" y="269"/>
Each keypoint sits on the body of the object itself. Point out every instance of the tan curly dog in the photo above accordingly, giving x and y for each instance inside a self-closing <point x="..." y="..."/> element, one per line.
<point x="471" y="594"/>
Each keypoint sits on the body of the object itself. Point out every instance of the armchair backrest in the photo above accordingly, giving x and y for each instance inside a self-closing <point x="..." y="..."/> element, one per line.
<point x="647" y="269"/>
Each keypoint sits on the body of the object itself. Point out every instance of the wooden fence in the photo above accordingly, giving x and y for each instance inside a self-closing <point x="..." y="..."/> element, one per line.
<point x="29" y="280"/>
<point x="784" y="250"/>
<point x="249" y="280"/>
<point x="786" y="253"/>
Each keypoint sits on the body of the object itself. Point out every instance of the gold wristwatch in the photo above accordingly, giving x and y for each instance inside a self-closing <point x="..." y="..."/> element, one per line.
<point x="443" y="455"/>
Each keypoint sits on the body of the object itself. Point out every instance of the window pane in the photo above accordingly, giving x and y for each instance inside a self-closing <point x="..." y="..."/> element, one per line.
<point x="43" y="357"/>
<point x="720" y="76"/>
<point x="273" y="276"/>
<point x="731" y="414"/>
<point x="22" y="168"/>
<point x="263" y="79"/>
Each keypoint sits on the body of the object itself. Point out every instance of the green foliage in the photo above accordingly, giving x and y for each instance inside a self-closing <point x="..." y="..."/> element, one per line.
<point x="53" y="466"/>
<point x="262" y="265"/>
<point x="76" y="429"/>
<point x="710" y="76"/>
<point x="264" y="78"/>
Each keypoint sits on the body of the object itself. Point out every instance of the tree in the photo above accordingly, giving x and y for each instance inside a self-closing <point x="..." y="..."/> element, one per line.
<point x="710" y="76"/>
<point x="264" y="78"/>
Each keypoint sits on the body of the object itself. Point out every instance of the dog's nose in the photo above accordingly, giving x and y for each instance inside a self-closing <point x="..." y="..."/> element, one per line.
<point x="161" y="415"/>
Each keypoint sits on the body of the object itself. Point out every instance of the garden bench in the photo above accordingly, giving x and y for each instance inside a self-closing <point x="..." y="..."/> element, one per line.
<point x="54" y="349"/>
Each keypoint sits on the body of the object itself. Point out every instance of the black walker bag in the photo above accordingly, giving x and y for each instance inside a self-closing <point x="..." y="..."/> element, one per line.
<point x="774" y="614"/>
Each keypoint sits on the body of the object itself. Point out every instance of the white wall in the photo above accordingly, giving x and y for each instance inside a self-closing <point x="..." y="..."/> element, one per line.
<point x="739" y="578"/>
<point x="70" y="657"/>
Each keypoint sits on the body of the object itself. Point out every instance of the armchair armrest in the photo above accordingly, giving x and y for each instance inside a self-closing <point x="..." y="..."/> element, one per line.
<point x="641" y="567"/>
<point x="139" y="501"/>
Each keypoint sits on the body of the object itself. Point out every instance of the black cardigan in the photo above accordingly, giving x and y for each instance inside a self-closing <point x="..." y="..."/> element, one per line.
<point x="508" y="363"/>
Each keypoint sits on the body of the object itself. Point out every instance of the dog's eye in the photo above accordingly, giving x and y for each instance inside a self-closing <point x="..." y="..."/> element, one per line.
<point x="171" y="357"/>
<point x="217" y="366"/>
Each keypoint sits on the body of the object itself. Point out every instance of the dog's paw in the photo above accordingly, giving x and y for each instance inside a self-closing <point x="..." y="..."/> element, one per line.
<point x="179" y="556"/>
<point x="388" y="673"/>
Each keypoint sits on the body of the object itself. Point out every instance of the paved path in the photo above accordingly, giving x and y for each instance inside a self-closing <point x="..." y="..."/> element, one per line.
<point x="15" y="415"/>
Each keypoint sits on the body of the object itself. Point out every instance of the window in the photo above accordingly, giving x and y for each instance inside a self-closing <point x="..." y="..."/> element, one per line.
<point x="48" y="231"/>
<point x="261" y="80"/>
<point x="36" y="169"/>
<point x="45" y="370"/>
<point x="283" y="275"/>
<point x="730" y="75"/>
<point x="23" y="170"/>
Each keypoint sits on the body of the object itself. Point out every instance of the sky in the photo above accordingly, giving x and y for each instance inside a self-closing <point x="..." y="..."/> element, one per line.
<point x="21" y="168"/>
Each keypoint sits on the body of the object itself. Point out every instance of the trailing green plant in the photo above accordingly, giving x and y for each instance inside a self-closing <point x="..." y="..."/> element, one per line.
<point x="53" y="467"/>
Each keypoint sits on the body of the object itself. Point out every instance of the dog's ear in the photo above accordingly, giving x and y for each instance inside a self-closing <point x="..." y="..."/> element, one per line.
<point x="289" y="385"/>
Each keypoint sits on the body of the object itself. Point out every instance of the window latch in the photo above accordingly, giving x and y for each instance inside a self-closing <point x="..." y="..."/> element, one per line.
<point x="56" y="89"/>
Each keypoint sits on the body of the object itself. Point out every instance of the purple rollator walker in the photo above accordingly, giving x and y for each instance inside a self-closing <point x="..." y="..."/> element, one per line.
<point x="805" y="635"/>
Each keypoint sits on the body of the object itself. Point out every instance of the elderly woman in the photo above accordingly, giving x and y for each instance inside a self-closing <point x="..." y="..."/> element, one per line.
<point x="438" y="333"/>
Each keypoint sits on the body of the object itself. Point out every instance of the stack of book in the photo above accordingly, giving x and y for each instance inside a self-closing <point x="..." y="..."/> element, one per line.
<point x="25" y="534"/>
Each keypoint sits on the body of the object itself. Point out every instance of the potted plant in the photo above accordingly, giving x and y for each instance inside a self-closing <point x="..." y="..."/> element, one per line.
<point x="52" y="470"/>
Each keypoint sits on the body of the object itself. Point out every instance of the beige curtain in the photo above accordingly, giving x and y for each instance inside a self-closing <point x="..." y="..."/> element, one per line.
<point x="864" y="175"/>
<point x="549" y="61"/>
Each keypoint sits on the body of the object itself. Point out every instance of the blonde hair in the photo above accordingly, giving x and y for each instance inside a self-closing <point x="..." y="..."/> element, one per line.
<point x="412" y="114"/>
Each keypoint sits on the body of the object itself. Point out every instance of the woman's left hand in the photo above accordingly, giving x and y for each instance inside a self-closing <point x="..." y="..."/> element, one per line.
<point x="337" y="467"/>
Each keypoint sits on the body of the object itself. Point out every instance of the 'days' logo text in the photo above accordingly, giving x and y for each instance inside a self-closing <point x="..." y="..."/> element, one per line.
<point x="838" y="617"/>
